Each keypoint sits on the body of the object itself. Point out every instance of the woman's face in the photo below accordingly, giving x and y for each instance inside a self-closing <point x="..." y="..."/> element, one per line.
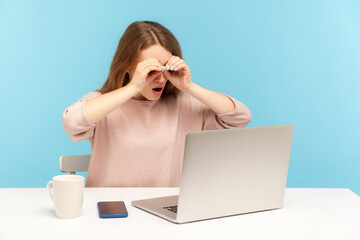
<point x="155" y="78"/>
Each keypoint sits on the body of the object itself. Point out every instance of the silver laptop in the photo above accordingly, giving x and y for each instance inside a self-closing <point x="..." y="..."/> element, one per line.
<point x="228" y="172"/>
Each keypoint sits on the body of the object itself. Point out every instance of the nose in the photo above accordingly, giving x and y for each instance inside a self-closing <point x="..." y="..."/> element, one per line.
<point x="161" y="79"/>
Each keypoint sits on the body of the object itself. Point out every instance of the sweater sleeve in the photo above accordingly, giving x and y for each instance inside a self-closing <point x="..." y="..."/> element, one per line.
<point x="74" y="122"/>
<point x="237" y="119"/>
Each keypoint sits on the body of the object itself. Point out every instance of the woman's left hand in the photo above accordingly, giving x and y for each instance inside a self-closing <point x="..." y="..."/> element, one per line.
<point x="178" y="73"/>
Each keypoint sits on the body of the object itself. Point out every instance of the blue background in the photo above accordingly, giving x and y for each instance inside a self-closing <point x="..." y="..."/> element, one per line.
<point x="292" y="62"/>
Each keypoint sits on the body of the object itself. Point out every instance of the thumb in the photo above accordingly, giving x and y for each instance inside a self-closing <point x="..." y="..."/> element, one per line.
<point x="167" y="75"/>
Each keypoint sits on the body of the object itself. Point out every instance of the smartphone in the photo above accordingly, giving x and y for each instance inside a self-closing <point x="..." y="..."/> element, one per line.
<point x="115" y="209"/>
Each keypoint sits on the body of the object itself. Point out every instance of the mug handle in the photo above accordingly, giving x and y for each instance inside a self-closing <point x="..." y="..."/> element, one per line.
<point x="49" y="190"/>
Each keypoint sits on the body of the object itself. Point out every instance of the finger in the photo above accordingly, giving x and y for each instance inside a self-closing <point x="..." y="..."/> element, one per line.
<point x="167" y="74"/>
<point x="150" y="68"/>
<point x="177" y="64"/>
<point x="151" y="72"/>
<point x="172" y="59"/>
<point x="170" y="63"/>
<point x="149" y="61"/>
<point x="182" y="66"/>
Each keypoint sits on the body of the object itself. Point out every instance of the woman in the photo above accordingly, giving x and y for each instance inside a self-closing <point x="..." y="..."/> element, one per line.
<point x="137" y="122"/>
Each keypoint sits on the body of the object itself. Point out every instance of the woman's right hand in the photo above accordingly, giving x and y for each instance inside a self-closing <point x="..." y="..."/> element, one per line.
<point x="143" y="71"/>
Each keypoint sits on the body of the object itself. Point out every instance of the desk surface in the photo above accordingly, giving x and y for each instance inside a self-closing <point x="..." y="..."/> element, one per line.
<point x="26" y="213"/>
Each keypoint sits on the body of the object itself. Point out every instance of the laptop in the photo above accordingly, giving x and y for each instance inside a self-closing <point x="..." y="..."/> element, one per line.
<point x="228" y="172"/>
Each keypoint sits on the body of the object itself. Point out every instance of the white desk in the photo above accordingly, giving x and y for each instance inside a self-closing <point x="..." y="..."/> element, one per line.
<point x="306" y="214"/>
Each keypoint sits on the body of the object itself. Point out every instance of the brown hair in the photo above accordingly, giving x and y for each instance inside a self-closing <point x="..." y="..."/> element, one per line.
<point x="139" y="36"/>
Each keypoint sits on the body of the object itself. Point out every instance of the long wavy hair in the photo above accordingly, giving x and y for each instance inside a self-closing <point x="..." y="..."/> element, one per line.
<point x="137" y="37"/>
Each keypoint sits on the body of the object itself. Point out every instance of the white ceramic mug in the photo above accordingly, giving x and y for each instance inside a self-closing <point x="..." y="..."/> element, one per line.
<point x="68" y="192"/>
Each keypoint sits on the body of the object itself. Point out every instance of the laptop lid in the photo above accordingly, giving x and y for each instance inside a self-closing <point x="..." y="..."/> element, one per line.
<point x="233" y="171"/>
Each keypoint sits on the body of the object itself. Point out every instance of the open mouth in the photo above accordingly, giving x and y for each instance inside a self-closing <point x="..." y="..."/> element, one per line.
<point x="157" y="90"/>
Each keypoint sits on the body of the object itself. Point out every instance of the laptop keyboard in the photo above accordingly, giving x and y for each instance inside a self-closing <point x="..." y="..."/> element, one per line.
<point x="172" y="208"/>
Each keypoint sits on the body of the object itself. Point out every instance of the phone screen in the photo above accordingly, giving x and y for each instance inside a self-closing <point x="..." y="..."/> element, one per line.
<point x="115" y="209"/>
